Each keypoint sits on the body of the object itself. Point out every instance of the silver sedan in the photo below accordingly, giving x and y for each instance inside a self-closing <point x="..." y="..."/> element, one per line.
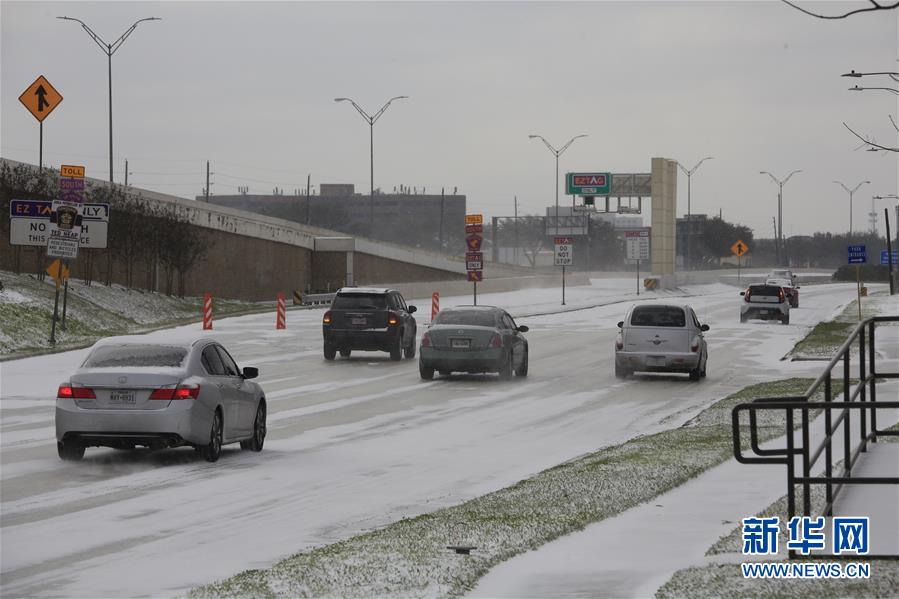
<point x="129" y="393"/>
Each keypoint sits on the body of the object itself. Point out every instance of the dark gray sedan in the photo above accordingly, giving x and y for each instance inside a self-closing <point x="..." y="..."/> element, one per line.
<point x="474" y="339"/>
<point x="130" y="392"/>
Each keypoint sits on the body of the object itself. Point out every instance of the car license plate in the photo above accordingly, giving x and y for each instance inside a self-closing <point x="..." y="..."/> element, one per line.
<point x="121" y="397"/>
<point x="655" y="361"/>
<point x="763" y="311"/>
<point x="460" y="343"/>
<point x="359" y="321"/>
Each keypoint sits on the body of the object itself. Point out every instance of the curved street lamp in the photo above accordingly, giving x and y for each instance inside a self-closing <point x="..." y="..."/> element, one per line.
<point x="886" y="89"/>
<point x="689" y="174"/>
<point x="557" y="153"/>
<point x="109" y="50"/>
<point x="371" y="125"/>
<point x="851" y="192"/>
<point x="780" y="194"/>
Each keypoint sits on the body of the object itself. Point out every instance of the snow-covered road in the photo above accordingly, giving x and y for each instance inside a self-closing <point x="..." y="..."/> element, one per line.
<point x="353" y="444"/>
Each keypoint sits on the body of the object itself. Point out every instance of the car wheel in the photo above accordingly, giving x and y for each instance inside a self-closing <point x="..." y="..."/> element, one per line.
<point x="213" y="450"/>
<point x="505" y="371"/>
<point x="409" y="351"/>
<point x="396" y="352"/>
<point x="427" y="374"/>
<point x="70" y="452"/>
<point x="620" y="373"/>
<point x="785" y="319"/>
<point x="523" y="369"/>
<point x="345" y="353"/>
<point x="704" y="366"/>
<point x="694" y="374"/>
<point x="256" y="442"/>
<point x="330" y="351"/>
<point x="742" y="318"/>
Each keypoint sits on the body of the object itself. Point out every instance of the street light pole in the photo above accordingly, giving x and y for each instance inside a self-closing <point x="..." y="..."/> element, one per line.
<point x="557" y="153"/>
<point x="689" y="174"/>
<point x="109" y="50"/>
<point x="371" y="127"/>
<point x="780" y="195"/>
<point x="851" y="192"/>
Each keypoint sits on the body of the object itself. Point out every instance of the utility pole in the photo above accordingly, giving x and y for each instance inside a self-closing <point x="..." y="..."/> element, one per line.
<point x="779" y="234"/>
<point x="442" y="198"/>
<point x="776" y="244"/>
<point x="516" y="231"/>
<point x="308" y="181"/>
<point x="207" y="181"/>
<point x="126" y="172"/>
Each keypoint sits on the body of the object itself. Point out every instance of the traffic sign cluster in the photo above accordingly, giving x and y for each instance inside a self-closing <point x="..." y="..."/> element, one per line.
<point x="474" y="257"/>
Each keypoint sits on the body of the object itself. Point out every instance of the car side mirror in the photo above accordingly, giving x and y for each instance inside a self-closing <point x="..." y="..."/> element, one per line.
<point x="620" y="324"/>
<point x="704" y="328"/>
<point x="412" y="309"/>
<point x="523" y="329"/>
<point x="742" y="293"/>
<point x="250" y="372"/>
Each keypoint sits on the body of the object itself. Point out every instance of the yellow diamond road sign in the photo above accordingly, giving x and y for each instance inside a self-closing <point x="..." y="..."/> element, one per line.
<point x="739" y="248"/>
<point x="40" y="98"/>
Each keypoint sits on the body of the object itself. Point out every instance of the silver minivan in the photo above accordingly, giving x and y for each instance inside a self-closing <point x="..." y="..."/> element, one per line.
<point x="661" y="338"/>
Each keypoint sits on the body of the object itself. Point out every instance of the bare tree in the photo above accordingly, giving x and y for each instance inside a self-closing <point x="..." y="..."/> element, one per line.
<point x="875" y="6"/>
<point x="871" y="143"/>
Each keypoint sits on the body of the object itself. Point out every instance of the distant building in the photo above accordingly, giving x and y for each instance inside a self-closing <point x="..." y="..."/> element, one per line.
<point x="403" y="218"/>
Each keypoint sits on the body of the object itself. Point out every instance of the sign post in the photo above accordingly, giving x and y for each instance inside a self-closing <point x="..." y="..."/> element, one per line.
<point x="857" y="254"/>
<point x="739" y="248"/>
<point x="474" y="257"/>
<point x="55" y="271"/>
<point x="564" y="247"/>
<point x="40" y="99"/>
<point x="637" y="246"/>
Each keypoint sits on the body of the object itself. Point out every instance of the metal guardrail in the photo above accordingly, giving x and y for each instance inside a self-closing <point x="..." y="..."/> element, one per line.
<point x="312" y="299"/>
<point x="860" y="398"/>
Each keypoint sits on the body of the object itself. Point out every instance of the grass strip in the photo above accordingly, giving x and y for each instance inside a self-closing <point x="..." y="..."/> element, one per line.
<point x="409" y="557"/>
<point x="825" y="338"/>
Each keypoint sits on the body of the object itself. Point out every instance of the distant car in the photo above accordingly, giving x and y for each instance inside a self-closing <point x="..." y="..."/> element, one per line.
<point x="782" y="273"/>
<point x="474" y="339"/>
<point x="369" y="319"/>
<point x="766" y="302"/>
<point x="661" y="338"/>
<point x="789" y="288"/>
<point x="129" y="393"/>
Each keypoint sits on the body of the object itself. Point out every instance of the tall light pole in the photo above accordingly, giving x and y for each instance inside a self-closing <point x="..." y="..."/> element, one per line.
<point x="557" y="153"/>
<point x="851" y="192"/>
<point x="689" y="174"/>
<point x="780" y="195"/>
<point x="109" y="50"/>
<point x="371" y="125"/>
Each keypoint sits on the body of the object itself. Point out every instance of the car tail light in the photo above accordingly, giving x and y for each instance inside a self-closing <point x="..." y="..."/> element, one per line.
<point x="746" y="296"/>
<point x="179" y="392"/>
<point x="326" y="319"/>
<point x="393" y="319"/>
<point x="694" y="347"/>
<point x="426" y="340"/>
<point x="74" y="392"/>
<point x="619" y="342"/>
<point x="495" y="342"/>
<point x="780" y="295"/>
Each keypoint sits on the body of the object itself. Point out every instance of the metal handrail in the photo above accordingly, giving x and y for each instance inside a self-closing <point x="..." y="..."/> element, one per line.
<point x="862" y="397"/>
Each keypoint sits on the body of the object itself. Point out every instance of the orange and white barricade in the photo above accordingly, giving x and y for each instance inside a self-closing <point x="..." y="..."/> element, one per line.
<point x="281" y="317"/>
<point x="435" y="304"/>
<point x="207" y="312"/>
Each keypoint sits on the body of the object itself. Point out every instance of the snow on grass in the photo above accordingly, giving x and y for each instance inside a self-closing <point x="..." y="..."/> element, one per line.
<point x="92" y="312"/>
<point x="826" y="337"/>
<point x="410" y="557"/>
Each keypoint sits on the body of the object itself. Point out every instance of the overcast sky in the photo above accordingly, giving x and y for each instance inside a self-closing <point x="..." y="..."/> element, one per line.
<point x="250" y="86"/>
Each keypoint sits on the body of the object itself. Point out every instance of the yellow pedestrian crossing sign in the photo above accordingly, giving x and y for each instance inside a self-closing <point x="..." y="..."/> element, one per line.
<point x="739" y="248"/>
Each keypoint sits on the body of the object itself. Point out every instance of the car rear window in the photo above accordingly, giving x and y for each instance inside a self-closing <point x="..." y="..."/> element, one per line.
<point x="477" y="318"/>
<point x="136" y="355"/>
<point x="360" y="301"/>
<point x="658" y="316"/>
<point x="764" y="290"/>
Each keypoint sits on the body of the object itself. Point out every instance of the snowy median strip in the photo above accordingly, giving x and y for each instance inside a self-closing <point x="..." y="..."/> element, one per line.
<point x="411" y="558"/>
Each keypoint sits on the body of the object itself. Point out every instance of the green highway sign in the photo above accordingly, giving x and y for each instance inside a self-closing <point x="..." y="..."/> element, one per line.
<point x="588" y="184"/>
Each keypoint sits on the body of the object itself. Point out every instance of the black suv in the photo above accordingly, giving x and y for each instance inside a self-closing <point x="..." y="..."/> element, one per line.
<point x="369" y="319"/>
